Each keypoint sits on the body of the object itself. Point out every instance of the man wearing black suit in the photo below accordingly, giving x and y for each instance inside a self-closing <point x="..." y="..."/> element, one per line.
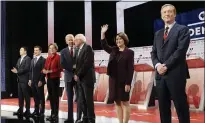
<point x="22" y="71"/>
<point x="85" y="77"/>
<point x="67" y="61"/>
<point x="169" y="59"/>
<point x="37" y="81"/>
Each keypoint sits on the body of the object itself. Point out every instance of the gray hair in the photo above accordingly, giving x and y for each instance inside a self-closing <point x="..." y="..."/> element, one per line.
<point x="82" y="37"/>
<point x="165" y="5"/>
<point x="69" y="35"/>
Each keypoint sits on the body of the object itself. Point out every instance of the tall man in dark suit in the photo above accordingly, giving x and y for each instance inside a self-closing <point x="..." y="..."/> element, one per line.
<point x="22" y="71"/>
<point x="68" y="63"/>
<point x="169" y="59"/>
<point x="85" y="77"/>
<point x="37" y="81"/>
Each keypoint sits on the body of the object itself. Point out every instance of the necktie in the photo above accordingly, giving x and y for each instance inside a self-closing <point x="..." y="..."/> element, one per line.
<point x="166" y="33"/>
<point x="35" y="60"/>
<point x="71" y="51"/>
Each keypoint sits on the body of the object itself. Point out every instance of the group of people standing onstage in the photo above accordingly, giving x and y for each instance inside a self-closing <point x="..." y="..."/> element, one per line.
<point x="77" y="61"/>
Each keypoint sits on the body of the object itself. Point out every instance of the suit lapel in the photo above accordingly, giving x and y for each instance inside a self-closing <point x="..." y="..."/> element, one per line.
<point x="67" y="53"/>
<point x="18" y="64"/>
<point x="161" y="36"/>
<point x="32" y="63"/>
<point x="38" y="61"/>
<point x="75" y="55"/>
<point x="81" y="52"/>
<point x="122" y="54"/>
<point x="21" y="62"/>
<point x="169" y="34"/>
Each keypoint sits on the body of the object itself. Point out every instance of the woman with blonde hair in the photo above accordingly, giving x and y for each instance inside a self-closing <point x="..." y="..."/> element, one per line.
<point x="53" y="69"/>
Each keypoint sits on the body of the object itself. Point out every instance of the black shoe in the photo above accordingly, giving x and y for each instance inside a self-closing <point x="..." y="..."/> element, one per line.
<point x="69" y="121"/>
<point x="20" y="117"/>
<point x="78" y="121"/>
<point x="52" y="118"/>
<point x="49" y="118"/>
<point x="85" y="120"/>
<point x="27" y="114"/>
<point x="91" y="120"/>
<point x="55" y="118"/>
<point x="41" y="115"/>
<point x="34" y="114"/>
<point x="18" y="113"/>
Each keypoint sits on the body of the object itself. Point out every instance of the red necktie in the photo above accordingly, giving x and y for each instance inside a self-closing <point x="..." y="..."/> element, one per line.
<point x="166" y="33"/>
<point x="71" y="51"/>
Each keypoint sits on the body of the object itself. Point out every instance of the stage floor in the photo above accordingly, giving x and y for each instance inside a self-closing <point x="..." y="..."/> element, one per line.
<point x="105" y="112"/>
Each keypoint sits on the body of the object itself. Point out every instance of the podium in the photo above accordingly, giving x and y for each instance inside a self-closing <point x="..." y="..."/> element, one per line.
<point x="102" y="85"/>
<point x="142" y="85"/>
<point x="195" y="85"/>
<point x="195" y="62"/>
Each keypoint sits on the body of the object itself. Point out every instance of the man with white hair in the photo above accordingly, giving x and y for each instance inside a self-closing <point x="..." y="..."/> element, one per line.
<point x="67" y="60"/>
<point x="85" y="78"/>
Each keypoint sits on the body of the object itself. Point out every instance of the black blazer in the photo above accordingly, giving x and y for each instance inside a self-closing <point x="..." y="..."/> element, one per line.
<point x="23" y="69"/>
<point x="172" y="52"/>
<point x="85" y="68"/>
<point x="122" y="68"/>
<point x="36" y="74"/>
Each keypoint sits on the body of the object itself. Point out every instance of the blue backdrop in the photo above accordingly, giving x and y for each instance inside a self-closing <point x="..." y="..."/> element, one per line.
<point x="3" y="44"/>
<point x="193" y="19"/>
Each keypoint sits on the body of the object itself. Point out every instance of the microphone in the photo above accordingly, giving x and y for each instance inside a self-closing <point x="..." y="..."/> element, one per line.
<point x="139" y="58"/>
<point x="101" y="62"/>
<point x="189" y="52"/>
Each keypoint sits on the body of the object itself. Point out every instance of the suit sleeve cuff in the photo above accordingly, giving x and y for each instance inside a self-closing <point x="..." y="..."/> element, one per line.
<point x="157" y="65"/>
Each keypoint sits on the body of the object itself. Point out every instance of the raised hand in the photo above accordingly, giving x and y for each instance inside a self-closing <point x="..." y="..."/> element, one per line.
<point x="104" y="28"/>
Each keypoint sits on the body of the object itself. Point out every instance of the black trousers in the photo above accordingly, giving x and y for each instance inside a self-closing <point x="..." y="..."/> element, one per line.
<point x="53" y="91"/>
<point x="69" y="90"/>
<point x="85" y="101"/>
<point x="39" y="97"/>
<point x="23" y="93"/>
<point x="166" y="90"/>
<point x="80" y="102"/>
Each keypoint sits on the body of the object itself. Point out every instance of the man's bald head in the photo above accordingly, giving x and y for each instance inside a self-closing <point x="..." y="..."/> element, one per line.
<point x="79" y="39"/>
<point x="69" y="38"/>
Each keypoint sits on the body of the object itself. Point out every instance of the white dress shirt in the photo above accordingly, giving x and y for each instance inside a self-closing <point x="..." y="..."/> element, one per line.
<point x="37" y="57"/>
<point x="80" y="48"/>
<point x="73" y="50"/>
<point x="170" y="26"/>
<point x="22" y="57"/>
<point x="74" y="66"/>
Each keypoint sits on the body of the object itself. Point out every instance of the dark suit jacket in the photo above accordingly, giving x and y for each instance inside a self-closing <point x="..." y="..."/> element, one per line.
<point x="123" y="68"/>
<point x="85" y="68"/>
<point x="67" y="63"/>
<point x="172" y="52"/>
<point x="23" y="69"/>
<point x="36" y="74"/>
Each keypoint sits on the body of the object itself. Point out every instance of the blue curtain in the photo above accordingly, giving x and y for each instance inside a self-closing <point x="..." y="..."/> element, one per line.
<point x="3" y="44"/>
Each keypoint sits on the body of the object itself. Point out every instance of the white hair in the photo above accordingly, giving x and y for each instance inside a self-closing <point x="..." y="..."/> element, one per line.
<point x="69" y="35"/>
<point x="82" y="37"/>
